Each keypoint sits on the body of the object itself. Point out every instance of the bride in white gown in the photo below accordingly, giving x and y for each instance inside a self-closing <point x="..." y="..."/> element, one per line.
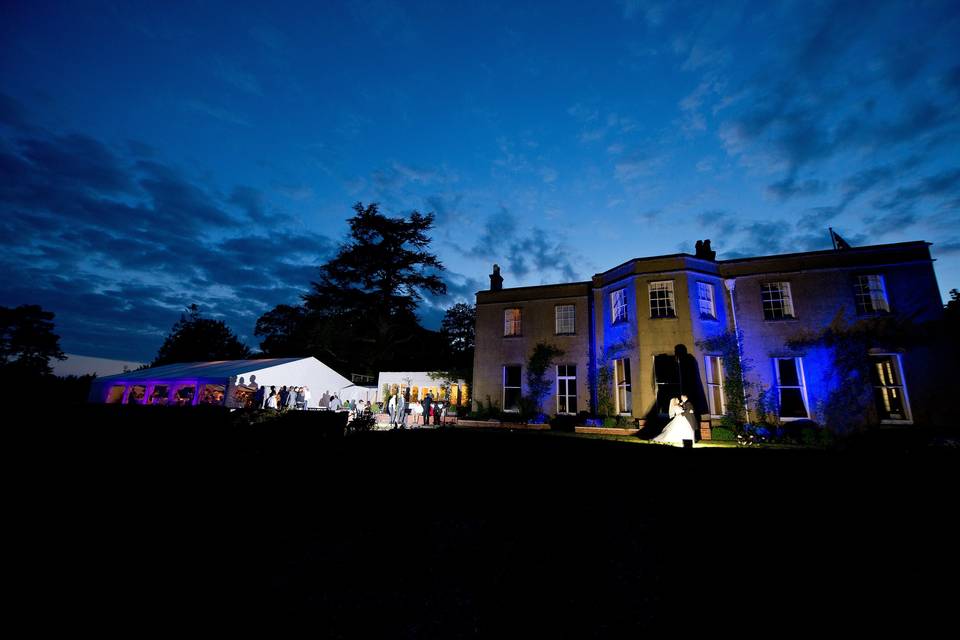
<point x="678" y="429"/>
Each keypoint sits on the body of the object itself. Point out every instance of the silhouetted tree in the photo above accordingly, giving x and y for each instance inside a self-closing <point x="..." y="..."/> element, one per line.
<point x="362" y="308"/>
<point x="196" y="339"/>
<point x="952" y="308"/>
<point x="27" y="340"/>
<point x="283" y="331"/>
<point x="458" y="330"/>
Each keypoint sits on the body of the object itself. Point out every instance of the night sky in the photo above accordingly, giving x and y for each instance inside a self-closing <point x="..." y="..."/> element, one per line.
<point x="151" y="157"/>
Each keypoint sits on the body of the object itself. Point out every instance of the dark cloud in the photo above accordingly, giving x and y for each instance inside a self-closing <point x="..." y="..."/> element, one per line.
<point x="949" y="248"/>
<point x="497" y="230"/>
<point x="943" y="184"/>
<point x="829" y="94"/>
<point x="789" y="187"/>
<point x="117" y="243"/>
<point x="525" y="251"/>
<point x="12" y="113"/>
<point x="251" y="201"/>
<point x="723" y="223"/>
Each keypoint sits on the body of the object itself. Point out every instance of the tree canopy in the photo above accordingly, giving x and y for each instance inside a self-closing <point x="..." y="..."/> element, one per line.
<point x="27" y="340"/>
<point x="360" y="314"/>
<point x="197" y="339"/>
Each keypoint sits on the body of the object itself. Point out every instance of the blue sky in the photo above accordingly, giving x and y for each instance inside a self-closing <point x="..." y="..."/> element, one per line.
<point x="155" y="156"/>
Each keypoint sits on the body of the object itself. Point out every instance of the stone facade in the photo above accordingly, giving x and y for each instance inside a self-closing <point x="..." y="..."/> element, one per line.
<point x="645" y="318"/>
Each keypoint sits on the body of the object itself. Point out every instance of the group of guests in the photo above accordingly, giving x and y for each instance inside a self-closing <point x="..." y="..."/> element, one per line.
<point x="397" y="408"/>
<point x="285" y="398"/>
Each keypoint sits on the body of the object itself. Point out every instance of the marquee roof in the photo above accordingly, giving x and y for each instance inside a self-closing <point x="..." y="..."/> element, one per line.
<point x="215" y="369"/>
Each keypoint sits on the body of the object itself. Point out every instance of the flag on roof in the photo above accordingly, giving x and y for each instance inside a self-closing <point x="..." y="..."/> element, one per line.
<point x="838" y="242"/>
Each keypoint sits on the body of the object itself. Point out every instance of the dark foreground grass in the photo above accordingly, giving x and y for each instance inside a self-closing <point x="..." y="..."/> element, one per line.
<point x="452" y="534"/>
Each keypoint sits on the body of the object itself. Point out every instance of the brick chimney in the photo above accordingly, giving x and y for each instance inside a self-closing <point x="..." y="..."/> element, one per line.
<point x="496" y="280"/>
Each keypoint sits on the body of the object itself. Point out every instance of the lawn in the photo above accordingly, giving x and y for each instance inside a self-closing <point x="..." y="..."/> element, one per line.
<point x="446" y="533"/>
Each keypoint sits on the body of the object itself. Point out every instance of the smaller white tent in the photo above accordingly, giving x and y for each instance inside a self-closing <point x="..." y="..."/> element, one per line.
<point x="222" y="382"/>
<point x="420" y="381"/>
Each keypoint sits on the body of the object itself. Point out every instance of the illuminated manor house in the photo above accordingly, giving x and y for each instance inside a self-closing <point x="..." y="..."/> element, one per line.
<point x="642" y="322"/>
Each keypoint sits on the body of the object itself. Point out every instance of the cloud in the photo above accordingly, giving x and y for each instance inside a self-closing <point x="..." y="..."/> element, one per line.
<point x="524" y="252"/>
<point x="839" y="94"/>
<point x="940" y="185"/>
<point x="949" y="248"/>
<point x="219" y="113"/>
<point x="117" y="244"/>
<point x="652" y="12"/>
<point x="12" y="113"/>
<point x="789" y="187"/>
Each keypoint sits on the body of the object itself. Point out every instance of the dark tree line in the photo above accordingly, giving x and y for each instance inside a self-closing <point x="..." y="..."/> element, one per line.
<point x="197" y="339"/>
<point x="27" y="341"/>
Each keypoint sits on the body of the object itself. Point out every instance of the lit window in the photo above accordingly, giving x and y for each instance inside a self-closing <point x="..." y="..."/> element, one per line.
<point x="792" y="392"/>
<point x="715" y="385"/>
<point x="708" y="308"/>
<point x="565" y="319"/>
<point x="871" y="295"/>
<point x="621" y="369"/>
<point x="511" y="388"/>
<point x="618" y="303"/>
<point x="511" y="322"/>
<point x="888" y="389"/>
<point x="567" y="388"/>
<point x="661" y="299"/>
<point x="777" y="301"/>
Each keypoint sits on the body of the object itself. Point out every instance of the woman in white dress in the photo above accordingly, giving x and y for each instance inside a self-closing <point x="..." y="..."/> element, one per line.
<point x="678" y="429"/>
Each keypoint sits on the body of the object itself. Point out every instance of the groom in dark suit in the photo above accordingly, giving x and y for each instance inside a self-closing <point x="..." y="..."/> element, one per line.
<point x="689" y="413"/>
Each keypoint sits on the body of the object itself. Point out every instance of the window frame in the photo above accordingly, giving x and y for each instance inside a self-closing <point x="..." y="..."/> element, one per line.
<point x="516" y="323"/>
<point x="786" y="300"/>
<point x="715" y="383"/>
<point x="671" y="298"/>
<point x="896" y="357"/>
<point x="567" y="395"/>
<point x="801" y="377"/>
<point x="623" y="384"/>
<point x="504" y="387"/>
<point x="862" y="295"/>
<point x="706" y="286"/>
<point x="624" y="316"/>
<point x="556" y="320"/>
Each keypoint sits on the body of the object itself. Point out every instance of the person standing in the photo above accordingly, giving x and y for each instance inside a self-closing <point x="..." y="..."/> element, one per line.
<point x="306" y="397"/>
<point x="427" y="401"/>
<point x="689" y="412"/>
<point x="392" y="410"/>
<point x="300" y="403"/>
<point x="259" y="397"/>
<point x="272" y="399"/>
<point x="401" y="411"/>
<point x="334" y="403"/>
